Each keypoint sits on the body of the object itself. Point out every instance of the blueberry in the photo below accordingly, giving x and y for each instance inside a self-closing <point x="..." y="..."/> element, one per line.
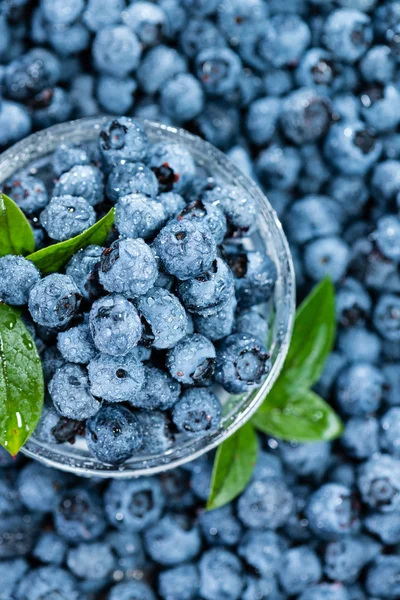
<point x="262" y="120"/>
<point x="158" y="66"/>
<point x="126" y="545"/>
<point x="179" y="583"/>
<point x="220" y="575"/>
<point x="360" y="438"/>
<point x="137" y="216"/>
<point x="51" y="361"/>
<point x="218" y="325"/>
<point x="85" y="181"/>
<point x="192" y="360"/>
<point x="262" y="551"/>
<point x="113" y="434"/>
<point x="218" y="69"/>
<point x="326" y="256"/>
<point x="332" y="511"/>
<point x="173" y="540"/>
<point x="76" y="344"/>
<point x="360" y="389"/>
<point x="207" y="213"/>
<point x="163" y="317"/>
<point x="131" y="178"/>
<point x="17" y="277"/>
<point x="386" y="189"/>
<point x="306" y="460"/>
<point x="79" y="516"/>
<point x="258" y="587"/>
<point x="284" y="39"/>
<point x="358" y="344"/>
<point x="47" y="581"/>
<point x="115" y="325"/>
<point x="345" y="558"/>
<point x="15" y="122"/>
<point x="18" y="534"/>
<point x="208" y="293"/>
<point x="199" y="34"/>
<point x="173" y="166"/>
<point x="220" y="526"/>
<point x="39" y="487"/>
<point x="378" y="65"/>
<point x="383" y="577"/>
<point x="299" y="568"/>
<point x="146" y="20"/>
<point x="134" y="505"/>
<point x="239" y="207"/>
<point x="353" y="303"/>
<point x="279" y="166"/>
<point x="67" y="216"/>
<point x="54" y="301"/>
<point x="325" y="591"/>
<point x="31" y="73"/>
<point x="50" y="548"/>
<point x="385" y="525"/>
<point x="69" y="391"/>
<point x="380" y="106"/>
<point x="347" y="34"/>
<point x="350" y="192"/>
<point x="11" y="572"/>
<point x="352" y="148"/>
<point x="218" y="124"/>
<point x="172" y="203"/>
<point x="28" y="191"/>
<point x="116" y="378"/>
<point x="265" y="504"/>
<point x="51" y="106"/>
<point x="235" y="17"/>
<point x="139" y="590"/>
<point x="316" y="69"/>
<point x="388" y="237"/>
<point x="379" y="483"/>
<point x="156" y="436"/>
<point x="242" y="363"/>
<point x="159" y="390"/>
<point x="252" y="322"/>
<point x="305" y="116"/>
<point x="391" y="373"/>
<point x="197" y="412"/>
<point x="122" y="139"/>
<point x="267" y="465"/>
<point x="67" y="156"/>
<point x="390" y="432"/>
<point x="116" y="95"/>
<point x="313" y="216"/>
<point x="386" y="317"/>
<point x="182" y="98"/>
<point x="83" y="269"/>
<point x="255" y="275"/>
<point x="116" y="51"/>
<point x="91" y="560"/>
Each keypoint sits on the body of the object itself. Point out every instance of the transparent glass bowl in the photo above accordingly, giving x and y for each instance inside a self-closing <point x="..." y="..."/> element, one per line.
<point x="35" y="151"/>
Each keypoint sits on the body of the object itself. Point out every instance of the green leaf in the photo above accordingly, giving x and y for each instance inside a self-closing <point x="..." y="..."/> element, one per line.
<point x="234" y="463"/>
<point x="302" y="416"/>
<point x="16" y="235"/>
<point x="21" y="381"/>
<point x="53" y="258"/>
<point x="312" y="339"/>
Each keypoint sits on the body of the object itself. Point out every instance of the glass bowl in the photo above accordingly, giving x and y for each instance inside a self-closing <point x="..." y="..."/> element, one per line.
<point x="35" y="152"/>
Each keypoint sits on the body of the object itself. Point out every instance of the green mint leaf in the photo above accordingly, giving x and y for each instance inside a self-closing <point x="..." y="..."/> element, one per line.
<point x="21" y="381"/>
<point x="312" y="339"/>
<point x="53" y="258"/>
<point x="16" y="235"/>
<point x="302" y="416"/>
<point x="233" y="466"/>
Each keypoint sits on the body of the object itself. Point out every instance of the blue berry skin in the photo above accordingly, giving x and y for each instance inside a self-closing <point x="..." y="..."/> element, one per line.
<point x="383" y="577"/>
<point x="15" y="123"/>
<point x="379" y="483"/>
<point x="325" y="591"/>
<point x="221" y="527"/>
<point x="279" y="166"/>
<point x="85" y="181"/>
<point x="350" y="192"/>
<point x="219" y="325"/>
<point x="11" y="572"/>
<point x="306" y="460"/>
<point x="257" y="587"/>
<point x="137" y="216"/>
<point x="134" y="505"/>
<point x="172" y="540"/>
<point x="116" y="95"/>
<point x="197" y="412"/>
<point x="360" y="437"/>
<point x="131" y="178"/>
<point x="54" y="301"/>
<point x="220" y="575"/>
<point x="31" y="73"/>
<point x="305" y="116"/>
<point x="352" y="148"/>
<point x="79" y="516"/>
<point x="159" y="390"/>
<point x="19" y="533"/>
<point x="192" y="360"/>
<point x="128" y="267"/>
<point x="28" y="192"/>
<point x="331" y="512"/>
<point x="218" y="124"/>
<point x="391" y="373"/>
<point x="156" y="436"/>
<point x="360" y="389"/>
<point x="385" y="525"/>
<point x="208" y="293"/>
<point x="97" y="17"/>
<point x="67" y="156"/>
<point x="115" y="325"/>
<point x="199" y="34"/>
<point x="219" y="70"/>
<point x="316" y="70"/>
<point x="159" y="65"/>
<point x="76" y="344"/>
<point x="51" y="361"/>
<point x="91" y="561"/>
<point x="186" y="249"/>
<point x="58" y="12"/>
<point x="179" y="583"/>
<point x="313" y="216"/>
<point x="172" y="203"/>
<point x="39" y="487"/>
<point x="116" y="50"/>
<point x="347" y="34"/>
<point x="163" y="317"/>
<point x="83" y="268"/>
<point x="47" y="582"/>
<point x="182" y="98"/>
<point x="353" y="303"/>
<point x="242" y="363"/>
<point x="390" y="432"/>
<point x="386" y="317"/>
<point x="113" y="435"/>
<point x="378" y="65"/>
<point x="173" y="166"/>
<point x="359" y="345"/>
<point x="50" y="549"/>
<point x="299" y="568"/>
<point x="255" y="276"/>
<point x="17" y="276"/>
<point x="387" y="237"/>
<point x="380" y="106"/>
<point x="327" y="256"/>
<point x="122" y="139"/>
<point x="262" y="551"/>
<point x="252" y="322"/>
<point x="239" y="207"/>
<point x="284" y="40"/>
<point x="345" y="558"/>
<point x="267" y="465"/>
<point x="116" y="378"/>
<point x="262" y="119"/>
<point x="386" y="188"/>
<point x="265" y="504"/>
<point x="67" y="216"/>
<point x="208" y="214"/>
<point x="131" y="589"/>
<point x="51" y="107"/>
<point x="146" y="20"/>
<point x="69" y="391"/>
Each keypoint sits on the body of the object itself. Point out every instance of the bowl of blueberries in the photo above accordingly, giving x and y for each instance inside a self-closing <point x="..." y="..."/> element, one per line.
<point x="159" y="344"/>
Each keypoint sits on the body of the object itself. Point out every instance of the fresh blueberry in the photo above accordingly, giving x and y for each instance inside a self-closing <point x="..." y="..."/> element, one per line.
<point x="76" y="344"/>
<point x="262" y="120"/>
<point x="347" y="34"/>
<point x="391" y="373"/>
<point x="173" y="540"/>
<point x="67" y="216"/>
<point x="350" y="192"/>
<point x="345" y="558"/>
<point x="218" y="325"/>
<point x="158" y="66"/>
<point x="325" y="591"/>
<point x="305" y="116"/>
<point x="51" y="106"/>
<point x="306" y="460"/>
<point x="387" y="237"/>
<point x="207" y="213"/>
<point x="54" y="301"/>
<point x="380" y="106"/>
<point x="31" y="73"/>
<point x="360" y="437"/>
<point x="67" y="156"/>
<point x="159" y="390"/>
<point x="199" y="34"/>
<point x="265" y="504"/>
<point x="137" y="590"/>
<point x="83" y="269"/>
<point x="79" y="516"/>
<point x="116" y="378"/>
<point x="173" y="166"/>
<point x="163" y="318"/>
<point x="255" y="275"/>
<point x="131" y="178"/>
<point x="279" y="166"/>
<point x="91" y="560"/>
<point x="39" y="487"/>
<point x="15" y="122"/>
<point x="358" y="344"/>
<point x="50" y="549"/>
<point x="122" y="139"/>
<point x="299" y="569"/>
<point x="383" y="577"/>
<point x="116" y="51"/>
<point x="134" y="505"/>
<point x="352" y="148"/>
<point x="353" y="303"/>
<point x="12" y="572"/>
<point x="239" y="207"/>
<point x="313" y="216"/>
<point x="115" y="325"/>
<point x="146" y="20"/>
<point x="17" y="277"/>
<point x="137" y="216"/>
<point x="326" y="256"/>
<point x="85" y="181"/>
<point x="220" y="575"/>
<point x="386" y="317"/>
<point x="252" y="322"/>
<point x="156" y="435"/>
<point x="116" y="95"/>
<point x="47" y="582"/>
<point x="386" y="189"/>
<point x="235" y="17"/>
<point x="378" y="65"/>
<point x="182" y="98"/>
<point x="220" y="526"/>
<point x="359" y="389"/>
<point x="218" y="69"/>
<point x="197" y="412"/>
<point x="262" y="551"/>
<point x="332" y="511"/>
<point x="172" y="203"/>
<point x="70" y="393"/>
<point x="28" y="191"/>
<point x="385" y="525"/>
<point x="179" y="583"/>
<point x="209" y="292"/>
<point x="379" y="483"/>
<point x="284" y="39"/>
<point x="192" y="360"/>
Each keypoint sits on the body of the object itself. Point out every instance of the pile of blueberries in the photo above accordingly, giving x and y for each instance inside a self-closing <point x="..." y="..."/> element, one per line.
<point x="304" y="96"/>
